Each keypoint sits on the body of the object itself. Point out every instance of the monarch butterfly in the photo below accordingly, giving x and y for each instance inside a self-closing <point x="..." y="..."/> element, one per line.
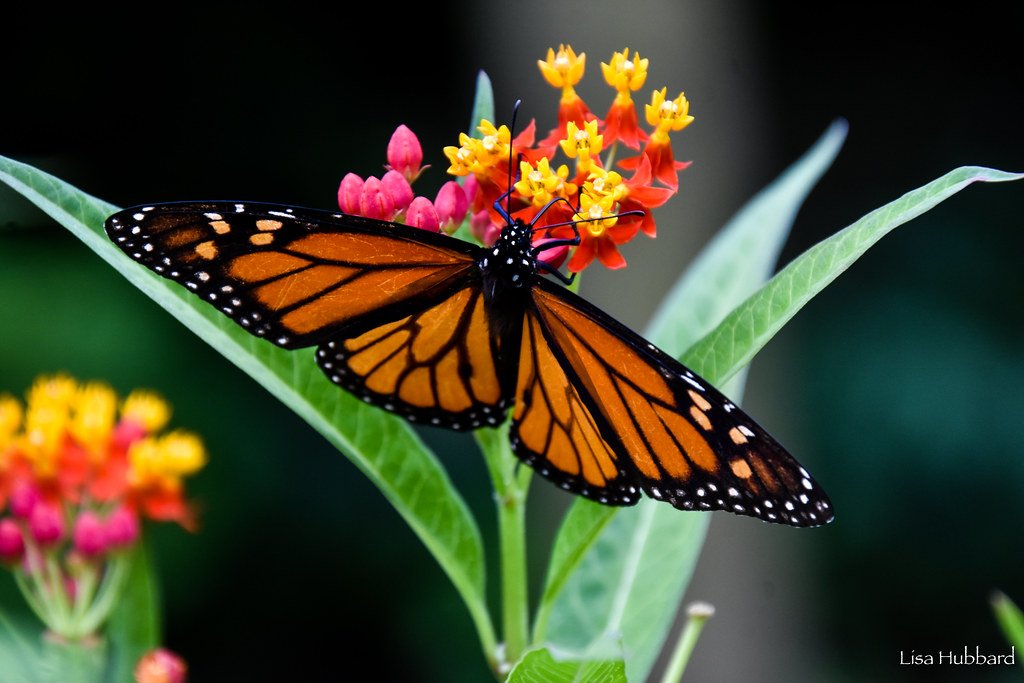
<point x="452" y="334"/>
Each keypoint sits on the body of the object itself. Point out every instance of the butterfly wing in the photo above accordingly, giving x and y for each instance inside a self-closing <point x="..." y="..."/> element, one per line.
<point x="650" y="423"/>
<point x="397" y="311"/>
<point x="437" y="365"/>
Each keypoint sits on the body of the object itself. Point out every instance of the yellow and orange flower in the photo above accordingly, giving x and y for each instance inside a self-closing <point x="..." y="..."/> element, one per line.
<point x="503" y="173"/>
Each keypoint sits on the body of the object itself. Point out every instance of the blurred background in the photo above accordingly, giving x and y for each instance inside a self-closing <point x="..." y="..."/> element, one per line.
<point x="898" y="386"/>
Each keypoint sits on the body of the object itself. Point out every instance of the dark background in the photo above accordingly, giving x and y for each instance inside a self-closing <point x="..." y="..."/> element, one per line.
<point x="898" y="387"/>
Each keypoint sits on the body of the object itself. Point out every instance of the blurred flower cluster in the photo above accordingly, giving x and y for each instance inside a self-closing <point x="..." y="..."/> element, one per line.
<point x="607" y="208"/>
<point x="79" y="469"/>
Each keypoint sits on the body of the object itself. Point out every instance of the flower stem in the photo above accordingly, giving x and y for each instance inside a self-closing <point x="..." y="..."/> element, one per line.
<point x="697" y="614"/>
<point x="510" y="487"/>
<point x="107" y="595"/>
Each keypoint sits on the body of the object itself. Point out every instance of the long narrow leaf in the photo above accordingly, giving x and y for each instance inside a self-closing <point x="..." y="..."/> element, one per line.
<point x="383" y="447"/>
<point x="135" y="624"/>
<point x="731" y="345"/>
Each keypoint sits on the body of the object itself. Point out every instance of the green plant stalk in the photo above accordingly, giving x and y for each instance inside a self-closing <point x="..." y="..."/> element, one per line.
<point x="53" y="584"/>
<point x="697" y="616"/>
<point x="510" y="489"/>
<point x="40" y="607"/>
<point x="106" y="597"/>
<point x="85" y="590"/>
<point x="514" y="595"/>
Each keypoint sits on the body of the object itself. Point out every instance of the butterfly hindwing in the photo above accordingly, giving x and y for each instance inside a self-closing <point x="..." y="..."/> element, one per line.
<point x="554" y="430"/>
<point x="436" y="366"/>
<point x="673" y="435"/>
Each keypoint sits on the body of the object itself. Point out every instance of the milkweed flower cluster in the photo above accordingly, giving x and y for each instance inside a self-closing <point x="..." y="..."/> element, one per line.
<point x="608" y="208"/>
<point x="79" y="470"/>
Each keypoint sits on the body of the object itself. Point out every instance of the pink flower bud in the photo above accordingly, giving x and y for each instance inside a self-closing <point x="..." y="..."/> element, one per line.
<point x="24" y="498"/>
<point x="122" y="528"/>
<point x="554" y="257"/>
<point x="46" y="525"/>
<point x="12" y="543"/>
<point x="421" y="214"/>
<point x="471" y="186"/>
<point x="89" y="536"/>
<point x="405" y="153"/>
<point x="128" y="432"/>
<point x="451" y="204"/>
<point x="348" y="193"/>
<point x="483" y="228"/>
<point x="160" y="666"/>
<point x="375" y="202"/>
<point x="398" y="188"/>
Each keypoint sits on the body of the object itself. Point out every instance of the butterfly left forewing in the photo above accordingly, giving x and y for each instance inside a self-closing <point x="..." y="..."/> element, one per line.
<point x="293" y="276"/>
<point x="684" y="442"/>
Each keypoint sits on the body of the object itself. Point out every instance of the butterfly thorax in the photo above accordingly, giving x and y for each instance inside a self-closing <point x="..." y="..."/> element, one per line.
<point x="509" y="266"/>
<point x="508" y="269"/>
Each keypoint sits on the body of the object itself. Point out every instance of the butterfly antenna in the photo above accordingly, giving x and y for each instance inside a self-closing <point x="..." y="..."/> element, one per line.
<point x="512" y="136"/>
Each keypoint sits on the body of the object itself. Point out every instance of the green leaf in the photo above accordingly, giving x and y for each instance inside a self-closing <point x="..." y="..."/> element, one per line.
<point x="382" y="446"/>
<point x="539" y="666"/>
<point x="483" y="102"/>
<point x="20" y="657"/>
<point x="629" y="583"/>
<point x="664" y="543"/>
<point x="135" y="624"/>
<point x="743" y="255"/>
<point x="1010" y="619"/>
<point x="732" y="344"/>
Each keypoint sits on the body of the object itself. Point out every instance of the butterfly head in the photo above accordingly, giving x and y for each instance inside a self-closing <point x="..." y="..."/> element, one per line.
<point x="511" y="262"/>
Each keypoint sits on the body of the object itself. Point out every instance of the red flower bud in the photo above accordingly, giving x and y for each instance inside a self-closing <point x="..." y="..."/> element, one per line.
<point x="422" y="214"/>
<point x="160" y="666"/>
<point x="451" y="204"/>
<point x="89" y="536"/>
<point x="46" y="525"/>
<point x="405" y="153"/>
<point x="12" y="543"/>
<point x="398" y="188"/>
<point x="375" y="201"/>
<point x="349" y="192"/>
<point x="122" y="528"/>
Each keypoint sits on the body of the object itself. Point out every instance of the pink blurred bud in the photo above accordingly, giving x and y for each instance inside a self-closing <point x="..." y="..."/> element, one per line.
<point x="122" y="528"/>
<point x="160" y="666"/>
<point x="12" y="543"/>
<point x="470" y="186"/>
<point x="375" y="202"/>
<point x="398" y="188"/>
<point x="422" y="214"/>
<point x="555" y="256"/>
<point x="451" y="204"/>
<point x="405" y="153"/>
<point x="348" y="193"/>
<point x="24" y="497"/>
<point x="89" y="536"/>
<point x="127" y="432"/>
<point x="482" y="227"/>
<point x="46" y="525"/>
